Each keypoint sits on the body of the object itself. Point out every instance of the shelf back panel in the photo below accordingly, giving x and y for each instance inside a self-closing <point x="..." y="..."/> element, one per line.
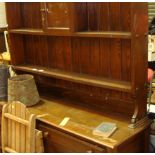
<point x="109" y="58"/>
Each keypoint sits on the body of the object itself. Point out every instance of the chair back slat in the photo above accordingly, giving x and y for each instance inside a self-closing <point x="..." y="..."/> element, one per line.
<point x="23" y="131"/>
<point x="17" y="135"/>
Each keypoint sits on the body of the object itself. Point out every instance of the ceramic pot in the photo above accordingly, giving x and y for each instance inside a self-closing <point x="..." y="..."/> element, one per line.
<point x="23" y="88"/>
<point x="4" y="75"/>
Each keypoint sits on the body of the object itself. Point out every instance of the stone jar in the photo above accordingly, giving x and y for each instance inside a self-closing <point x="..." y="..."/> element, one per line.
<point x="23" y="88"/>
<point x="4" y="75"/>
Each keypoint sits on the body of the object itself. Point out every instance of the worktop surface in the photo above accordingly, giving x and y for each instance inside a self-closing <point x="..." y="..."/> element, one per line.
<point x="82" y="121"/>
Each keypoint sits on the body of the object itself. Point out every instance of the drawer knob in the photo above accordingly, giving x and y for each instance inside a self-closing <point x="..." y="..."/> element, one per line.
<point x="89" y="151"/>
<point x="45" y="134"/>
<point x="43" y="10"/>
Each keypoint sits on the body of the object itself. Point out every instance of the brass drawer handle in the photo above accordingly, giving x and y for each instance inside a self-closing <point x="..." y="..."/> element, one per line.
<point x="42" y="10"/>
<point x="89" y="151"/>
<point x="48" y="11"/>
<point x="45" y="134"/>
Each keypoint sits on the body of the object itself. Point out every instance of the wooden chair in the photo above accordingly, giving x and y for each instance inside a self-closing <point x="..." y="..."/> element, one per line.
<point x="18" y="130"/>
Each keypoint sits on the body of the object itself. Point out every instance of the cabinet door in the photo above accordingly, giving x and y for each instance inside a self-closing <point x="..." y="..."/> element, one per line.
<point x="57" y="17"/>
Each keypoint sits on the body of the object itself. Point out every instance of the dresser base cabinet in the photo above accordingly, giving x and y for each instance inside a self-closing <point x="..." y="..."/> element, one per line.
<point x="138" y="143"/>
<point x="59" y="141"/>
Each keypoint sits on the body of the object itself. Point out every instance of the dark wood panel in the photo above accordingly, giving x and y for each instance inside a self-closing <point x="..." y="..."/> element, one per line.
<point x="36" y="15"/>
<point x="109" y="16"/>
<point x="76" y="59"/>
<point x="105" y="64"/>
<point x="84" y="53"/>
<point x="43" y="51"/>
<point x="114" y="10"/>
<point x="56" y="53"/>
<point x="29" y="50"/>
<point x="94" y="58"/>
<point x="115" y="63"/>
<point x="79" y="16"/>
<point x="125" y="16"/>
<point x="13" y="13"/>
<point x="31" y="16"/>
<point x="75" y="55"/>
<point x="36" y="55"/>
<point x="67" y="53"/>
<point x="105" y="57"/>
<point x="60" y="53"/>
<point x="104" y="18"/>
<point x="36" y="51"/>
<point x="93" y="14"/>
<point x="115" y="58"/>
<point x="26" y="8"/>
<point x="17" y="46"/>
<point x="126" y="60"/>
<point x="67" y="60"/>
<point x="126" y="96"/>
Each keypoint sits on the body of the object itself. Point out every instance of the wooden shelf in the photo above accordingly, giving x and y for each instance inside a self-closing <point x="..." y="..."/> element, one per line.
<point x="27" y="31"/>
<point x="77" y="77"/>
<point x="102" y="34"/>
<point x="106" y="34"/>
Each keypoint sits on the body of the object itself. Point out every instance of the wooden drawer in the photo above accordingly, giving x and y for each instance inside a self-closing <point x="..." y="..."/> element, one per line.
<point x="57" y="141"/>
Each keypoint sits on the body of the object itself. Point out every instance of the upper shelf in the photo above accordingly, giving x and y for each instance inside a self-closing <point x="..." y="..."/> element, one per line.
<point x="27" y="31"/>
<point x="103" y="34"/>
<point x="77" y="77"/>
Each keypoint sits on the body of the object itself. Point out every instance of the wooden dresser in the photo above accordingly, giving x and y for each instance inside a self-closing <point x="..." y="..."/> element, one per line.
<point x="89" y="61"/>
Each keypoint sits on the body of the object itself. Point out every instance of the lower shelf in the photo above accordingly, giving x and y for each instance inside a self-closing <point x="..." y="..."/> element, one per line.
<point x="77" y="77"/>
<point x="102" y="34"/>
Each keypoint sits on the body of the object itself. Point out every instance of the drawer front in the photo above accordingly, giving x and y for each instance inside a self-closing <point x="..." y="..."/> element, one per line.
<point x="57" y="141"/>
